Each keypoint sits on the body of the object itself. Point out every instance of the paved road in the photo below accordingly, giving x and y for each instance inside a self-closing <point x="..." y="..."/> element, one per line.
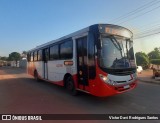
<point x="20" y="93"/>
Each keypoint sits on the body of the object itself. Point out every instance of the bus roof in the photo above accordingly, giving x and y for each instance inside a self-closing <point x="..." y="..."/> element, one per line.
<point x="79" y="32"/>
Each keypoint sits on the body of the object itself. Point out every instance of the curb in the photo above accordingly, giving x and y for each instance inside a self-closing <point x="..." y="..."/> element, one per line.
<point x="149" y="81"/>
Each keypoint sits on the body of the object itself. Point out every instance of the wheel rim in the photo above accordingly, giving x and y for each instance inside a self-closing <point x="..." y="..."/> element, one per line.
<point x="69" y="85"/>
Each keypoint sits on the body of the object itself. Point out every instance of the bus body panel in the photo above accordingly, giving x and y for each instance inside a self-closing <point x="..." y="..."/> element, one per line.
<point x="101" y="89"/>
<point x="39" y="65"/>
<point x="96" y="87"/>
<point x="57" y="69"/>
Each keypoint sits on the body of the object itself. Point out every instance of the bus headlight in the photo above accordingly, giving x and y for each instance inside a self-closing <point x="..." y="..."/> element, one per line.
<point x="106" y="80"/>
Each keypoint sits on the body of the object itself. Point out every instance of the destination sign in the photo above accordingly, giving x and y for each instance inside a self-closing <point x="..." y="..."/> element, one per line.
<point x="115" y="30"/>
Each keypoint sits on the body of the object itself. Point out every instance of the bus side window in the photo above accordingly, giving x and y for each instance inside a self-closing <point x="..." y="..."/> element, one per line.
<point x="35" y="56"/>
<point x="40" y="55"/>
<point x="66" y="50"/>
<point x="46" y="54"/>
<point x="54" y="52"/>
<point x="32" y="56"/>
<point x="91" y="56"/>
<point x="29" y="57"/>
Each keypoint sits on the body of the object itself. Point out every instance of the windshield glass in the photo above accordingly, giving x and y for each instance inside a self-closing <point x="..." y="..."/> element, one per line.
<point x="116" y="53"/>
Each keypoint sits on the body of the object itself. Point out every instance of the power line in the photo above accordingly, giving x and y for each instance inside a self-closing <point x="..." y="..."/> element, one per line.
<point x="145" y="28"/>
<point x="148" y="31"/>
<point x="139" y="10"/>
<point x="154" y="22"/>
<point x="141" y="14"/>
<point x="147" y="35"/>
<point x="148" y="28"/>
<point x="136" y="10"/>
<point x="132" y="12"/>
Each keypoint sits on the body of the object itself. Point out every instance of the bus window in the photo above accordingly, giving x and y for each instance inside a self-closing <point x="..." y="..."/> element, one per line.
<point x="29" y="57"/>
<point x="35" y="56"/>
<point x="91" y="56"/>
<point x="54" y="52"/>
<point x="46" y="55"/>
<point x="66" y="50"/>
<point x="32" y="56"/>
<point x="40" y="55"/>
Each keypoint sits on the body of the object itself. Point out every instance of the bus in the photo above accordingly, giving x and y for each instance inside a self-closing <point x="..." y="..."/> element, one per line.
<point x="98" y="60"/>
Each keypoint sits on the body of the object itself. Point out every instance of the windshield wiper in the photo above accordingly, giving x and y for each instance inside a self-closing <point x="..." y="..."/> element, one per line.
<point x="116" y="43"/>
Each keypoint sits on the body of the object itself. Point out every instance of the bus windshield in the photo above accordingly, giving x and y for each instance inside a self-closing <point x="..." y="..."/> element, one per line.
<point x="116" y="53"/>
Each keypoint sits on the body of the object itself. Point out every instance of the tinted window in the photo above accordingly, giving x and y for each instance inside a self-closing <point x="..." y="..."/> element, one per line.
<point x="31" y="56"/>
<point x="66" y="50"/>
<point x="82" y="60"/>
<point x="91" y="56"/>
<point x="54" y="52"/>
<point x="35" y="56"/>
<point x="40" y="55"/>
<point x="46" y="54"/>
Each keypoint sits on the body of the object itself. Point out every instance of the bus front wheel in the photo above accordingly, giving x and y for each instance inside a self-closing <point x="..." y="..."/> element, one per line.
<point x="70" y="86"/>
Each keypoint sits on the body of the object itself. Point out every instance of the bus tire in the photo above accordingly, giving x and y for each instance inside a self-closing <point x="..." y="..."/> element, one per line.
<point x="70" y="86"/>
<point x="36" y="76"/>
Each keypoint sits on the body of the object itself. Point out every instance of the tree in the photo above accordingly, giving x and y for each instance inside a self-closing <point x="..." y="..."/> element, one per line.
<point x="4" y="58"/>
<point x="155" y="54"/>
<point x="14" y="56"/>
<point x="155" y="61"/>
<point x="142" y="59"/>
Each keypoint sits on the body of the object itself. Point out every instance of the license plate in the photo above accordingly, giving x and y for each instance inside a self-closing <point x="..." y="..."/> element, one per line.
<point x="126" y="86"/>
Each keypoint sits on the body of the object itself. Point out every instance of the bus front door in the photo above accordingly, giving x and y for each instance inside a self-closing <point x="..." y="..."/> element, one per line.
<point x="82" y="67"/>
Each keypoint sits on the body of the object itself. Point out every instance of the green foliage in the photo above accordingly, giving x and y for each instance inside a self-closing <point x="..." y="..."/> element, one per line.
<point x="142" y="59"/>
<point x="155" y="61"/>
<point x="14" y="56"/>
<point x="155" y="54"/>
<point x="4" y="58"/>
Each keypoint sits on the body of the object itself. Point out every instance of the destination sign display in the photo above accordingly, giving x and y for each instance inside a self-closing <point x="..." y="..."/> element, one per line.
<point x="115" y="30"/>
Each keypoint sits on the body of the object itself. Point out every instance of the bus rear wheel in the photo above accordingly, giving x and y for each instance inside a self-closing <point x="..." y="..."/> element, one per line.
<point x="70" y="86"/>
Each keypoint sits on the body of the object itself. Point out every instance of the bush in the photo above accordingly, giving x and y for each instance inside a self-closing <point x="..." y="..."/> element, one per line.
<point x="155" y="61"/>
<point x="142" y="60"/>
